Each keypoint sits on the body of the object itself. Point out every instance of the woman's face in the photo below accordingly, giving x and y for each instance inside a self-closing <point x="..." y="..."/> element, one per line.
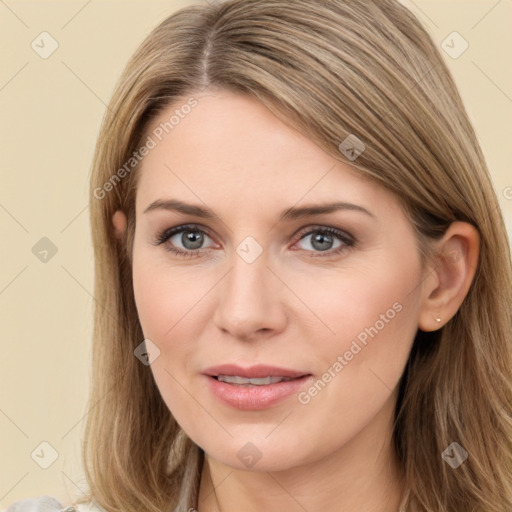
<point x="330" y="300"/>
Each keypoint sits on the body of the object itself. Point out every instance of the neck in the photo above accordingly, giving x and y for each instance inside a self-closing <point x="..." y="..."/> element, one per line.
<point x="364" y="474"/>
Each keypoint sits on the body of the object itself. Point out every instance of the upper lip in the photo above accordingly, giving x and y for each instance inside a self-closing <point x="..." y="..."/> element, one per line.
<point x="253" y="372"/>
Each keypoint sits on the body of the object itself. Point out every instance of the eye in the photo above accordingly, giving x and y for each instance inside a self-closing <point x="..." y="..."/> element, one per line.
<point x="186" y="240"/>
<point x="327" y="240"/>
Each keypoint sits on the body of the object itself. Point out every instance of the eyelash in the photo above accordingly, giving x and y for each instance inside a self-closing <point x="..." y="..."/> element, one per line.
<point x="348" y="240"/>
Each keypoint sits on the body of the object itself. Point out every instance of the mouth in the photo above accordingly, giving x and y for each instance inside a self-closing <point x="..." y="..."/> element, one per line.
<point x="243" y="381"/>
<point x="256" y="387"/>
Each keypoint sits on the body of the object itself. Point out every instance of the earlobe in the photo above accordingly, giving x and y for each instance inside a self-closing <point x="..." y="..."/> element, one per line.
<point x="119" y="223"/>
<point x="448" y="283"/>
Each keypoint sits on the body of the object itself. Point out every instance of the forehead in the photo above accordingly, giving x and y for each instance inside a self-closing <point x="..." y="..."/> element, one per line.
<point x="230" y="147"/>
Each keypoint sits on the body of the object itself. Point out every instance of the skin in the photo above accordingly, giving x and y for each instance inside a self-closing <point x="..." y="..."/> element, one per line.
<point x="295" y="306"/>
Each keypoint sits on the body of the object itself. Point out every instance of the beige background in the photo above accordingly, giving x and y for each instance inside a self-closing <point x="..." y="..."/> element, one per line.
<point x="51" y="111"/>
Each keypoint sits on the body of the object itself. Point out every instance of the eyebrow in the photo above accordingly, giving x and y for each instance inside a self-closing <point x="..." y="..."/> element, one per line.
<point x="289" y="214"/>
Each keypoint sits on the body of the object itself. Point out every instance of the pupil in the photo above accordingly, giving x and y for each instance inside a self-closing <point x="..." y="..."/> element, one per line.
<point x="321" y="241"/>
<point x="192" y="239"/>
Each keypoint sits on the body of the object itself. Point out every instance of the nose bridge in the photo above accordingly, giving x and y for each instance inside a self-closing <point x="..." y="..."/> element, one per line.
<point x="249" y="299"/>
<point x="248" y="278"/>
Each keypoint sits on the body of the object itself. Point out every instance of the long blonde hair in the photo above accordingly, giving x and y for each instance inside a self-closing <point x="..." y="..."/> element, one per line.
<point x="330" y="69"/>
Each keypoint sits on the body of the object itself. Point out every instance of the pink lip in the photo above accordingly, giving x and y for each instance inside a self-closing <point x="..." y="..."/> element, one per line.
<point x="255" y="397"/>
<point x="256" y="371"/>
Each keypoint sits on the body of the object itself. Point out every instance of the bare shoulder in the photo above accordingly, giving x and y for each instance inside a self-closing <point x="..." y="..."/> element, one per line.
<point x="48" y="503"/>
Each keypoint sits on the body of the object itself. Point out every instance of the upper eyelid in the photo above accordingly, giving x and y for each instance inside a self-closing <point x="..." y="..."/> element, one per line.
<point x="184" y="227"/>
<point x="320" y="227"/>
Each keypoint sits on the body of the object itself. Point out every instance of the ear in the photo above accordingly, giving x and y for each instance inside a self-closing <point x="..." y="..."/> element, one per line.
<point x="119" y="222"/>
<point x="449" y="276"/>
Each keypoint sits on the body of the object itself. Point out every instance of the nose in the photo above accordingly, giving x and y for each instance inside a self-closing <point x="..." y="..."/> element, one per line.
<point x="250" y="300"/>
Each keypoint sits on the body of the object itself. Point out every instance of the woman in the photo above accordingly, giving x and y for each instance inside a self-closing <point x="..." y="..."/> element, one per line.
<point x="303" y="281"/>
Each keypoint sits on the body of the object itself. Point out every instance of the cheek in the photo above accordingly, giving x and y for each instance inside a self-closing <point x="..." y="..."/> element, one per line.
<point x="174" y="309"/>
<point x="163" y="296"/>
<point x="373" y="312"/>
<point x="167" y="308"/>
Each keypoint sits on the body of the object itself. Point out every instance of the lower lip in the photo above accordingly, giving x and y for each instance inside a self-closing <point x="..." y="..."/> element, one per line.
<point x="252" y="398"/>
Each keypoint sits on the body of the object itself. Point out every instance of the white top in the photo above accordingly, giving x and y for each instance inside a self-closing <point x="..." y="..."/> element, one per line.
<point x="48" y="504"/>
